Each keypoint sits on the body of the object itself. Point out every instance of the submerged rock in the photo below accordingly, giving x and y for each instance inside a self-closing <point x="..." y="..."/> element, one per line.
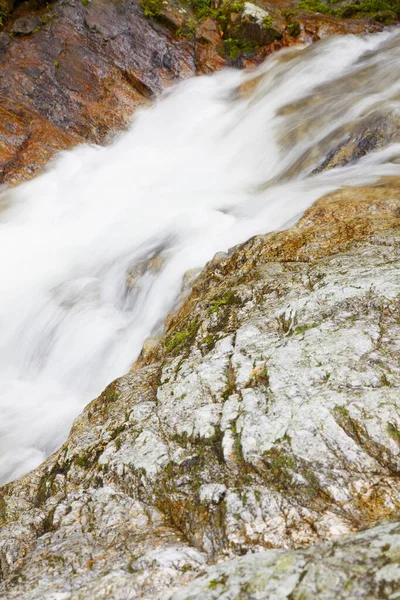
<point x="265" y="418"/>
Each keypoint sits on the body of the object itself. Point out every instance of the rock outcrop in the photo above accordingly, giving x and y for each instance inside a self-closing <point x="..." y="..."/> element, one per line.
<point x="264" y="420"/>
<point x="75" y="71"/>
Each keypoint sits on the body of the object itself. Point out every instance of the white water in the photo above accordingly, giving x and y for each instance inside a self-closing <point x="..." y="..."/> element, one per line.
<point x="199" y="172"/>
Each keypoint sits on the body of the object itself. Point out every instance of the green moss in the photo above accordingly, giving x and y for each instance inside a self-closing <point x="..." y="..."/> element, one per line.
<point x="179" y="338"/>
<point x="294" y="29"/>
<point x="151" y="8"/>
<point x="57" y="64"/>
<point x="229" y="298"/>
<point x="315" y="6"/>
<point x="278" y="461"/>
<point x="236" y="47"/>
<point x="181" y="438"/>
<point x="83" y="460"/>
<point x="117" y="431"/>
<point x="110" y="393"/>
<point x="312" y="487"/>
<point x="3" y="511"/>
<point x="267" y="22"/>
<point x="210" y="341"/>
<point x="341" y="413"/>
<point x="393" y="432"/>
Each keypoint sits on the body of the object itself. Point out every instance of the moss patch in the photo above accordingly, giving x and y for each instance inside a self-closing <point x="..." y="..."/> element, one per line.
<point x="229" y="298"/>
<point x="151" y="8"/>
<point x="179" y="338"/>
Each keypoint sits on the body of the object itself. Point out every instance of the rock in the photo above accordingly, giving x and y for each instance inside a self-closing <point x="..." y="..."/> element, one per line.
<point x="26" y="25"/>
<point x="362" y="566"/>
<point x="208" y="50"/>
<point x="175" y="15"/>
<point x="257" y="26"/>
<point x="85" y="66"/>
<point x="27" y="142"/>
<point x="265" y="417"/>
<point x="85" y="70"/>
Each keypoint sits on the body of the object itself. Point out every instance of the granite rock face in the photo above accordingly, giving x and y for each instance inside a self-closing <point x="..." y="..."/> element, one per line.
<point x="264" y="421"/>
<point x="364" y="565"/>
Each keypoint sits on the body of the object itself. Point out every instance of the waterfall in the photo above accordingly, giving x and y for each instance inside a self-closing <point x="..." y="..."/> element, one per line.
<point x="94" y="250"/>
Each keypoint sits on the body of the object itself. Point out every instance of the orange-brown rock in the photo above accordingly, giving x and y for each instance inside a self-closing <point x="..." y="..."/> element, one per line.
<point x="83" y="70"/>
<point x="76" y="71"/>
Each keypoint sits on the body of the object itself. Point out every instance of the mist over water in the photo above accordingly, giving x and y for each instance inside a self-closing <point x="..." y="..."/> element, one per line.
<point x="205" y="168"/>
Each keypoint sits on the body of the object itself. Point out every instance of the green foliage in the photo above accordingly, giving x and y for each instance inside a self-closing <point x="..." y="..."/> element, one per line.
<point x="151" y="8"/>
<point x="267" y="22"/>
<point x="206" y="8"/>
<point x="393" y="432"/>
<point x="229" y="298"/>
<point x="202" y="8"/>
<point x="384" y="11"/>
<point x="289" y="13"/>
<point x="188" y="30"/>
<point x="294" y="29"/>
<point x="315" y="6"/>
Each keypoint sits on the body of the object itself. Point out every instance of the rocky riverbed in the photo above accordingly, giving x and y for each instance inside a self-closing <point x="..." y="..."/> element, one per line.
<point x="253" y="449"/>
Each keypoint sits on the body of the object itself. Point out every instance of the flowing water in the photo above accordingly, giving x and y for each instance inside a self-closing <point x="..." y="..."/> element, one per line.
<point x="205" y="168"/>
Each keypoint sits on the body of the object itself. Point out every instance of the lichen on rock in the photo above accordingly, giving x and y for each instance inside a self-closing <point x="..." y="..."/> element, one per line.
<point x="264" y="420"/>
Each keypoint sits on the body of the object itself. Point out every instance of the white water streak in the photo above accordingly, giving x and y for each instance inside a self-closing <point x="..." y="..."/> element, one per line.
<point x="192" y="176"/>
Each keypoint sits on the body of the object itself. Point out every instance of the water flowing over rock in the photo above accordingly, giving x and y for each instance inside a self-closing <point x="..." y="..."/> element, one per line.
<point x="266" y="417"/>
<point x="76" y="71"/>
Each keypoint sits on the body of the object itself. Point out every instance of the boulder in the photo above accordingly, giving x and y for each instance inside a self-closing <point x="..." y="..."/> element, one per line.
<point x="26" y="25"/>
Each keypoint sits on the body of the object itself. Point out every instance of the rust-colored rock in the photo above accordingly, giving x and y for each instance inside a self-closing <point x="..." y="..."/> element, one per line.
<point x="76" y="71"/>
<point x="83" y="69"/>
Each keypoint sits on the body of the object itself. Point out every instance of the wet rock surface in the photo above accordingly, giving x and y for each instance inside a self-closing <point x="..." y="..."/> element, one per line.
<point x="75" y="71"/>
<point x="84" y="68"/>
<point x="265" y="418"/>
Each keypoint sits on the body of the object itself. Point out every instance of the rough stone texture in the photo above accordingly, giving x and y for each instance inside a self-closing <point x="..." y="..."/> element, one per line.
<point x="76" y="70"/>
<point x="257" y="26"/>
<point x="365" y="565"/>
<point x="266" y="417"/>
<point x="84" y="69"/>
